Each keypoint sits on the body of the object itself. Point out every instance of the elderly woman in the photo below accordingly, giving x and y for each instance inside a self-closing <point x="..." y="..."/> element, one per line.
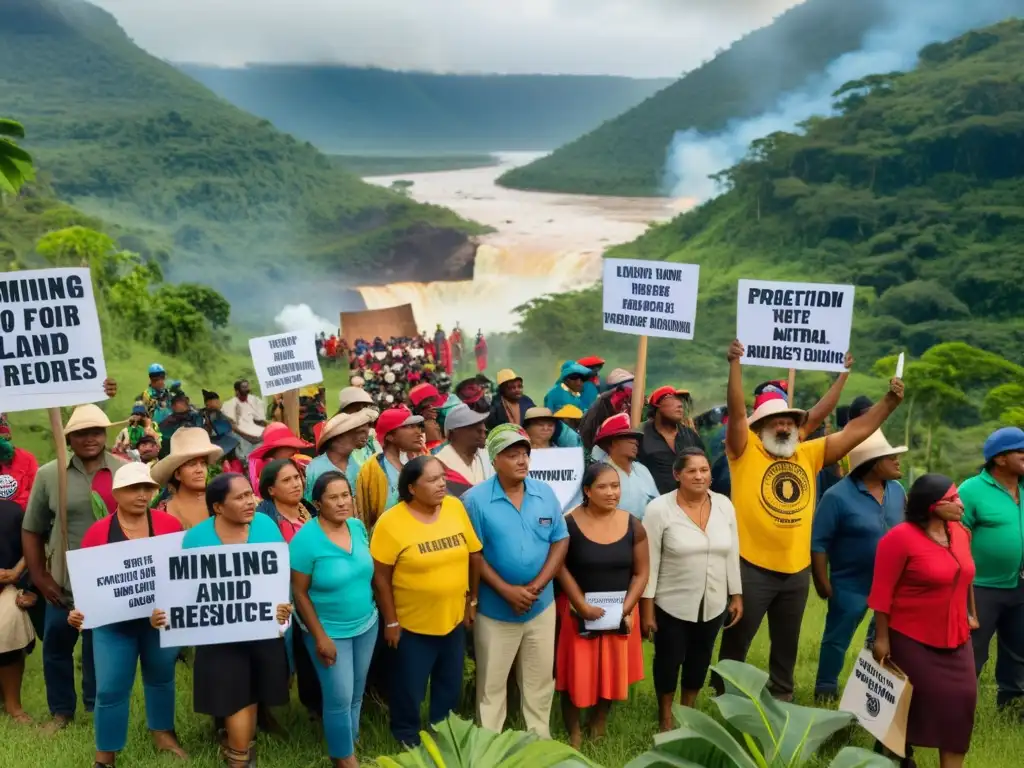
<point x="695" y="581"/>
<point x="607" y="554"/>
<point x="923" y="598"/>
<point x="332" y="580"/>
<point x="184" y="473"/>
<point x="119" y="648"/>
<point x="427" y="574"/>
<point x="231" y="681"/>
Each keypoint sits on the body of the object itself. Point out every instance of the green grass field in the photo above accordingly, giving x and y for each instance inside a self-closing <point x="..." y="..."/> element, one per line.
<point x="997" y="738"/>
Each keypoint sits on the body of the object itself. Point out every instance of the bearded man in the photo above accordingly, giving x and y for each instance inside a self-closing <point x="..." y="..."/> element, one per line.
<point x="773" y="490"/>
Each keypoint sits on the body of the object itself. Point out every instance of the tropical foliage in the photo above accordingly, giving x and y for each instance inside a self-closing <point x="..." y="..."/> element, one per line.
<point x="15" y="162"/>
<point x="126" y="137"/>
<point x="458" y="743"/>
<point x="626" y="156"/>
<point x="760" y="732"/>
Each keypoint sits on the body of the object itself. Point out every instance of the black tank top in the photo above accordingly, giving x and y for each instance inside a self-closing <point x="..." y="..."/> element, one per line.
<point x="600" y="567"/>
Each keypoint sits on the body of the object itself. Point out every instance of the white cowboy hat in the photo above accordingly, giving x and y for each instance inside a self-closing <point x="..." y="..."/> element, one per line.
<point x="345" y="422"/>
<point x="133" y="473"/>
<point x="775" y="407"/>
<point x="875" y="447"/>
<point x="186" y="444"/>
<point x="88" y="417"/>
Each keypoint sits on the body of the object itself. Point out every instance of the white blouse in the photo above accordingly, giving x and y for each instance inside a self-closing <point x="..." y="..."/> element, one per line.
<point x="689" y="565"/>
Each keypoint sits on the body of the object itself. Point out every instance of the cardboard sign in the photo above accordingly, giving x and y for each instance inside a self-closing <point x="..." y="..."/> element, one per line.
<point x="117" y="582"/>
<point x="805" y="326"/>
<point x="51" y="351"/>
<point x="223" y="594"/>
<point x="285" y="361"/>
<point x="561" y="469"/>
<point x="650" y="298"/>
<point x="879" y="696"/>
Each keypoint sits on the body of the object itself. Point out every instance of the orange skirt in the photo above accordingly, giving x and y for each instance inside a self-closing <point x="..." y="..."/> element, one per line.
<point x="600" y="667"/>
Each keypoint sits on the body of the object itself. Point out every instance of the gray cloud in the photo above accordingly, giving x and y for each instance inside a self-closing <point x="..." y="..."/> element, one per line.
<point x="631" y="37"/>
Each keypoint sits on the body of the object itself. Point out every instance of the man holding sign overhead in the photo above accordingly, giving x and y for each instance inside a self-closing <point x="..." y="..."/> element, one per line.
<point x="773" y="490"/>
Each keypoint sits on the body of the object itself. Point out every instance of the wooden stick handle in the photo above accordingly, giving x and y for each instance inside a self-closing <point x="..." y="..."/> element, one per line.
<point x="639" y="383"/>
<point x="57" y="428"/>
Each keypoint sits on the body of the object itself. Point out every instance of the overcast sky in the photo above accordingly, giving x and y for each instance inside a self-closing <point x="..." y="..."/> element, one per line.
<point x="628" y="37"/>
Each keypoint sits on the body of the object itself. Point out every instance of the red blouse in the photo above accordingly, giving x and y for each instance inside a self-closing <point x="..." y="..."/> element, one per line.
<point x="923" y="585"/>
<point x="99" y="532"/>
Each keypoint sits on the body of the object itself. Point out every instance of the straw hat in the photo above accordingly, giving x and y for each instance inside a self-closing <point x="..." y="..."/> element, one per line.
<point x="775" y="407"/>
<point x="345" y="422"/>
<point x="88" y="417"/>
<point x="875" y="447"/>
<point x="186" y="444"/>
<point x="506" y="375"/>
<point x="538" y="412"/>
<point x="133" y="473"/>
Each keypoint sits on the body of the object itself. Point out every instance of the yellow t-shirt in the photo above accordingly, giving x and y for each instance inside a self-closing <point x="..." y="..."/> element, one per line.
<point x="774" y="500"/>
<point x="431" y="564"/>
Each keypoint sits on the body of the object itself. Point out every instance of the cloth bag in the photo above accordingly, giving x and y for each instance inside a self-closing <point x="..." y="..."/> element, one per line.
<point x="879" y="696"/>
<point x="16" y="630"/>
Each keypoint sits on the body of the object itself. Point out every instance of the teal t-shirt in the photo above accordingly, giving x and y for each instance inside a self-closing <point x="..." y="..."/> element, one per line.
<point x="262" y="530"/>
<point x="321" y="465"/>
<point x="341" y="582"/>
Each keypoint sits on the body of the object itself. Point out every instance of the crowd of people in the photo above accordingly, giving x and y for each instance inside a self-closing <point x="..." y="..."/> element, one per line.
<point x="417" y="536"/>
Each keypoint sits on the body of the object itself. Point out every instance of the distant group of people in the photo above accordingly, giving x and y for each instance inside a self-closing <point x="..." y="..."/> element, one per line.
<point x="417" y="536"/>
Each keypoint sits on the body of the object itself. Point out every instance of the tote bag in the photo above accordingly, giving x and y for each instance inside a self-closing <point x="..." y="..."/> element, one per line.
<point x="879" y="696"/>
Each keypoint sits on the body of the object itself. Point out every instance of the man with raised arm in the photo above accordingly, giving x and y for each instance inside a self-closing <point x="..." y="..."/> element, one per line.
<point x="773" y="490"/>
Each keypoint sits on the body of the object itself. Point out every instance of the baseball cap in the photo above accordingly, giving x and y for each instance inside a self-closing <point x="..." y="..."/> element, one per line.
<point x="426" y="395"/>
<point x="395" y="418"/>
<point x="662" y="392"/>
<point x="503" y="437"/>
<point x="462" y="416"/>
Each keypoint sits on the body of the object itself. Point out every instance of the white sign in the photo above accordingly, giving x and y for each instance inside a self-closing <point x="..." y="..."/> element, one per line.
<point x="117" y="582"/>
<point x="650" y="298"/>
<point x="805" y="326"/>
<point x="285" y="361"/>
<point x="880" y="699"/>
<point x="223" y="594"/>
<point x="899" y="366"/>
<point x="561" y="469"/>
<point x="51" y="352"/>
<point x="612" y="603"/>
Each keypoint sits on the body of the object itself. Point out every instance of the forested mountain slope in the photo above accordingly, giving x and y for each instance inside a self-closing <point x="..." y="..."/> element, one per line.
<point x="355" y="109"/>
<point x="236" y="202"/>
<point x="626" y="156"/>
<point x="914" y="192"/>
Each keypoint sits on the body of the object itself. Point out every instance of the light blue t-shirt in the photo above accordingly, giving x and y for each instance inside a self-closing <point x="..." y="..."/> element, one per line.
<point x="262" y="530"/>
<point x="392" y="475"/>
<point x="321" y="465"/>
<point x="515" y="542"/>
<point x="340" y="587"/>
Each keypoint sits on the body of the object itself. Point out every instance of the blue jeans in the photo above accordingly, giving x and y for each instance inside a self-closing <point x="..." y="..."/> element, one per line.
<point x="118" y="648"/>
<point x="59" y="640"/>
<point x="418" y="658"/>
<point x="342" y="685"/>
<point x="846" y="610"/>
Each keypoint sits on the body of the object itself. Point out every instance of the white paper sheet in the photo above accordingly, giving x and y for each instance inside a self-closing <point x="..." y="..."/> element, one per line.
<point x="612" y="603"/>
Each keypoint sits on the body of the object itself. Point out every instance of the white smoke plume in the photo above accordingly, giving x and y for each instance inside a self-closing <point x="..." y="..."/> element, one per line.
<point x="301" y="317"/>
<point x="894" y="46"/>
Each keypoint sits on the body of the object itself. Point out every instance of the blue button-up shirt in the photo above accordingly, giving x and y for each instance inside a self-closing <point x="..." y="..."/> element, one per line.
<point x="848" y="525"/>
<point x="516" y="541"/>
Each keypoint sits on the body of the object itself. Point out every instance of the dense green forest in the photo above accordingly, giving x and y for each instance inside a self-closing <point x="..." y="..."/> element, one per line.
<point x="355" y="109"/>
<point x="914" y="193"/>
<point x="128" y="138"/>
<point x="626" y="156"/>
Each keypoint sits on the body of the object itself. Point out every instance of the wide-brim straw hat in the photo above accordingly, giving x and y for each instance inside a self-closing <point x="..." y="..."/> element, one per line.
<point x="186" y="444"/>
<point x="345" y="422"/>
<point x="538" y="412"/>
<point x="89" y="417"/>
<point x="775" y="407"/>
<point x="875" y="447"/>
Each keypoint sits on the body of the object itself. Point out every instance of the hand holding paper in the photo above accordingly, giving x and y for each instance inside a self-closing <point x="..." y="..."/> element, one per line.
<point x="899" y="366"/>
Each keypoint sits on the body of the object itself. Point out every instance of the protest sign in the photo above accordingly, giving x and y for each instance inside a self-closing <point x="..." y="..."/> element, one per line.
<point x="223" y="594"/>
<point x="879" y="695"/>
<point x="51" y="351"/>
<point x="117" y="582"/>
<point x="285" y="361"/>
<point x="612" y="603"/>
<point x="650" y="298"/>
<point x="804" y="326"/>
<point x="561" y="469"/>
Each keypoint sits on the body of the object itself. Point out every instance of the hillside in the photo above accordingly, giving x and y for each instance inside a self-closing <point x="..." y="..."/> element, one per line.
<point x="354" y="109"/>
<point x="129" y="138"/>
<point x="914" y="192"/>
